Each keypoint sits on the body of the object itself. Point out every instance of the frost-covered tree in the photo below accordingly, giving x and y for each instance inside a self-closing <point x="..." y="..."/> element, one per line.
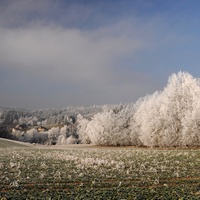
<point x="53" y="135"/>
<point x="81" y="129"/>
<point x="171" y="117"/>
<point x="112" y="126"/>
<point x="33" y="136"/>
<point x="66" y="136"/>
<point x="32" y="121"/>
<point x="144" y="124"/>
<point x="62" y="138"/>
<point x="71" y="140"/>
<point x="191" y="129"/>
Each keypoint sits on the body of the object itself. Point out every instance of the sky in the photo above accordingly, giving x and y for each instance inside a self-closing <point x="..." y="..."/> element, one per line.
<point x="59" y="53"/>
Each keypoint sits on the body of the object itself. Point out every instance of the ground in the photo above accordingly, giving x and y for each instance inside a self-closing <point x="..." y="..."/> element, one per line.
<point x="89" y="172"/>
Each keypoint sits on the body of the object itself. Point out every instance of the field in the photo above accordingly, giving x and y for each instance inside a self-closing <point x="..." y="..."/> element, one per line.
<point x="89" y="172"/>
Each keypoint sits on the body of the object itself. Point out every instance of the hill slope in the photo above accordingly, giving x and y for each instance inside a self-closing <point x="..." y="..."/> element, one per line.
<point x="5" y="143"/>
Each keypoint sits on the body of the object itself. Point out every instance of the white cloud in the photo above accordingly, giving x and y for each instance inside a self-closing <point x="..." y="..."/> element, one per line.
<point x="63" y="53"/>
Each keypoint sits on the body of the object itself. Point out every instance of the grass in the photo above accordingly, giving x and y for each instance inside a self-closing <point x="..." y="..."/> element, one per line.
<point x="4" y="143"/>
<point x="98" y="173"/>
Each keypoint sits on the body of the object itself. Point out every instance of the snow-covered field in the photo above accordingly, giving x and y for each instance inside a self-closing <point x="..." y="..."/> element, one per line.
<point x="90" y="172"/>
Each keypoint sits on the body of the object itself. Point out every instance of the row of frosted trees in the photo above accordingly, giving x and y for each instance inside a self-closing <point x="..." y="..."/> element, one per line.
<point x="170" y="118"/>
<point x="61" y="136"/>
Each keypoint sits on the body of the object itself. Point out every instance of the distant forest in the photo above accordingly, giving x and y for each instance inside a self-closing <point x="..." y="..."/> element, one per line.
<point x="46" y="116"/>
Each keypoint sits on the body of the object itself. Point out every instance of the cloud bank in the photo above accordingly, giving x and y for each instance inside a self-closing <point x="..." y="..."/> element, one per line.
<point x="60" y="53"/>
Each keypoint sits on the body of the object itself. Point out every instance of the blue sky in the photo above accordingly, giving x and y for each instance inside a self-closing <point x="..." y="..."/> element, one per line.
<point x="58" y="53"/>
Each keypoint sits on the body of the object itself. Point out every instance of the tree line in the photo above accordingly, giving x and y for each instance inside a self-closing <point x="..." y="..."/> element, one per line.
<point x="167" y="118"/>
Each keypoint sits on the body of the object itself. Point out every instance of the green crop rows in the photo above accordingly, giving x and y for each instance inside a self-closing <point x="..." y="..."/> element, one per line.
<point x="98" y="173"/>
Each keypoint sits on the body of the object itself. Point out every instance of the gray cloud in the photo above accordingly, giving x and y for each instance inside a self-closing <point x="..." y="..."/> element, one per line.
<point x="48" y="64"/>
<point x="23" y="12"/>
<point x="68" y="56"/>
<point x="63" y="53"/>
